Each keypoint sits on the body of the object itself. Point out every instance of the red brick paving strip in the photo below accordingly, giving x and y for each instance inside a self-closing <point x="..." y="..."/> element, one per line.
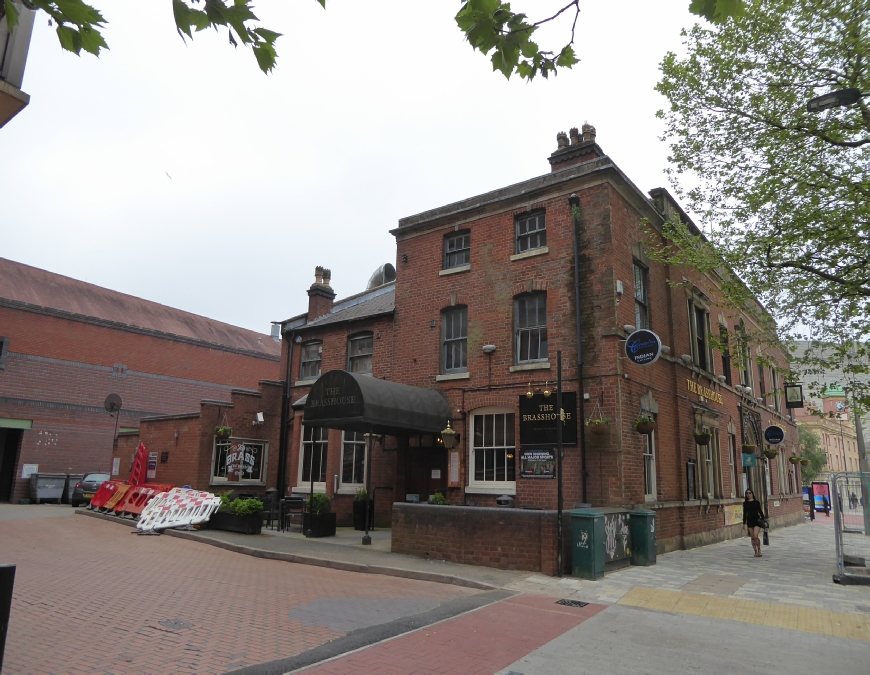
<point x="89" y="596"/>
<point x="483" y="641"/>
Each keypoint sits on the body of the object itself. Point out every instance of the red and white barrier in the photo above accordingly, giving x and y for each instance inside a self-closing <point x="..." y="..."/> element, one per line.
<point x="178" y="508"/>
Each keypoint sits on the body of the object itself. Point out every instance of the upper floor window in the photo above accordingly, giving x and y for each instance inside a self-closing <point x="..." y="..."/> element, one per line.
<point x="641" y="299"/>
<point x="699" y="326"/>
<point x="312" y="354"/>
<point x="762" y="389"/>
<point x="457" y="250"/>
<point x="726" y="353"/>
<point x="359" y="354"/>
<point x="774" y="389"/>
<point x="531" y="327"/>
<point x="531" y="232"/>
<point x="454" y="349"/>
<point x="745" y="357"/>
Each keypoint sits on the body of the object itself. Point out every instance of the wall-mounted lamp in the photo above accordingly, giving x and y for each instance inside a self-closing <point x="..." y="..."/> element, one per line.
<point x="530" y="393"/>
<point x="666" y="349"/>
<point x="722" y="378"/>
<point x="738" y="388"/>
<point x="489" y="349"/>
<point x="628" y="328"/>
<point x="547" y="389"/>
<point x="537" y="390"/>
<point x="260" y="420"/>
<point x="687" y="359"/>
<point x="448" y="436"/>
<point x="747" y="391"/>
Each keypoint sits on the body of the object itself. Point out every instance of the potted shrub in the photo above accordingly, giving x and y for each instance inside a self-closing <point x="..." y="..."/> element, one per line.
<point x="748" y="449"/>
<point x="239" y="515"/>
<point x="223" y="432"/>
<point x="645" y="425"/>
<point x="702" y="438"/>
<point x="439" y="500"/>
<point x="597" y="425"/>
<point x="359" y="510"/>
<point x="319" y="519"/>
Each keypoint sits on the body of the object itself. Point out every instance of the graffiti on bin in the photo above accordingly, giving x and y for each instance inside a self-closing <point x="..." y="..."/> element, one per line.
<point x="616" y="535"/>
<point x="584" y="540"/>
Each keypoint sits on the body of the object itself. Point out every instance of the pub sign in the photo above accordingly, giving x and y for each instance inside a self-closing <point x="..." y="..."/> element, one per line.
<point x="539" y="416"/>
<point x="539" y="463"/>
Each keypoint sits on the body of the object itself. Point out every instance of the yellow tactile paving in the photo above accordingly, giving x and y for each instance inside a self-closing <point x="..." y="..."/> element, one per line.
<point x="850" y="625"/>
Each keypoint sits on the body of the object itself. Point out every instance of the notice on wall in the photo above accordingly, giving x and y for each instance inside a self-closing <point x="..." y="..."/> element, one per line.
<point x="436" y="474"/>
<point x="116" y="466"/>
<point x="537" y="463"/>
<point x="734" y="514"/>
<point x="453" y="470"/>
<point x="27" y="470"/>
<point x="151" y="473"/>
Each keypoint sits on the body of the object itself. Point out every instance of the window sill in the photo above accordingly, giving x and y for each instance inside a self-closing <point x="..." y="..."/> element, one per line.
<point x="347" y="489"/>
<point x="452" y="376"/>
<point x="531" y="254"/>
<point x="227" y="483"/>
<point x="304" y="383"/>
<point x="541" y="365"/>
<point x="319" y="489"/>
<point x="455" y="270"/>
<point x="500" y="489"/>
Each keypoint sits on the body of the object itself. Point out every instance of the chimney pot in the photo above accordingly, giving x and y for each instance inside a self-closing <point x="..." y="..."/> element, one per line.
<point x="575" y="135"/>
<point x="561" y="141"/>
<point x="588" y="133"/>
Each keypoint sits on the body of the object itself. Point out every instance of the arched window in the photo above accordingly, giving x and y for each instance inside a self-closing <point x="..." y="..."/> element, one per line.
<point x="359" y="354"/>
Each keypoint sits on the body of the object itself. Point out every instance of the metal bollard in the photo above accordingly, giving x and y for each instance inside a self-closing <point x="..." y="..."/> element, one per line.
<point x="7" y="580"/>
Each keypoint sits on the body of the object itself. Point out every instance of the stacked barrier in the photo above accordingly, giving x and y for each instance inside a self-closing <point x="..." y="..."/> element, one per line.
<point x="137" y="499"/>
<point x="178" y="508"/>
<point x="104" y="494"/>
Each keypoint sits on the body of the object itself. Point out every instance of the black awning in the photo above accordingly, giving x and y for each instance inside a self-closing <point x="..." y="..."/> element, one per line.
<point x="342" y="400"/>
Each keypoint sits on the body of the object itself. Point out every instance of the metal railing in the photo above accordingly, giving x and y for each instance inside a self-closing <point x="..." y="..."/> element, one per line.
<point x="849" y="503"/>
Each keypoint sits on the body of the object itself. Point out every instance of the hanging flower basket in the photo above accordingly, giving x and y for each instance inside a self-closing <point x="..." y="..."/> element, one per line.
<point x="770" y="454"/>
<point x="702" y="439"/>
<point x="795" y="460"/>
<point x="748" y="449"/>
<point x="223" y="432"/>
<point x="805" y="462"/>
<point x="645" y="425"/>
<point x="597" y="426"/>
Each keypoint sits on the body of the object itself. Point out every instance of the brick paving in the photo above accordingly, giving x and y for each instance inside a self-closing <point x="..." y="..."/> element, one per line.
<point x="90" y="597"/>
<point x="482" y="641"/>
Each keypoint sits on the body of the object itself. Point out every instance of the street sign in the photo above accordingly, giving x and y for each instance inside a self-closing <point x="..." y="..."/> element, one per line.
<point x="774" y="434"/>
<point x="748" y="460"/>
<point x="643" y="347"/>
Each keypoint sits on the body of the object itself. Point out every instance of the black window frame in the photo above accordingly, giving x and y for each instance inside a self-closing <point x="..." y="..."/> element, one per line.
<point x="451" y="340"/>
<point x="452" y="257"/>
<point x="531" y="329"/>
<point x="4" y="350"/>
<point x="303" y="362"/>
<point x="726" y="353"/>
<point x="641" y="301"/>
<point x="702" y="352"/>
<point x="315" y="438"/>
<point x="538" y="235"/>
<point x="352" y="358"/>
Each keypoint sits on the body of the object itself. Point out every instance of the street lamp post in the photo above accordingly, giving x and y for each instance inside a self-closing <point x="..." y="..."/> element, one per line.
<point x="835" y="99"/>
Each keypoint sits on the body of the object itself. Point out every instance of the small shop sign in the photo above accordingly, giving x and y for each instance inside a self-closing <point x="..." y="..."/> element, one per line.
<point x="794" y="396"/>
<point x="774" y="434"/>
<point x="151" y="473"/>
<point x="643" y="347"/>
<point x="748" y="460"/>
<point x="539" y="417"/>
<point x="537" y="463"/>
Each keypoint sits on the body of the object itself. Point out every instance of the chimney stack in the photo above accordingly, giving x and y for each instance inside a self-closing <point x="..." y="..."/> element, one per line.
<point x="320" y="295"/>
<point x="582" y="148"/>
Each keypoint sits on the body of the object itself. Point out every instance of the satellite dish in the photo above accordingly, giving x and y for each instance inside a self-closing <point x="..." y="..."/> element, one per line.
<point x="112" y="404"/>
<point x="383" y="275"/>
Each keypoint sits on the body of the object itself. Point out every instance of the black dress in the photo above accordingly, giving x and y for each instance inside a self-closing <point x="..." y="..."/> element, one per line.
<point x="752" y="513"/>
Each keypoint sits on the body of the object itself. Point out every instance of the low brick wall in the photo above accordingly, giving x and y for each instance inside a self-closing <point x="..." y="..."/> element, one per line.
<point x="508" y="539"/>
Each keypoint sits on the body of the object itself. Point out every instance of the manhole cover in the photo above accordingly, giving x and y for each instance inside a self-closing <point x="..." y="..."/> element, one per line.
<point x="572" y="603"/>
<point x="176" y="624"/>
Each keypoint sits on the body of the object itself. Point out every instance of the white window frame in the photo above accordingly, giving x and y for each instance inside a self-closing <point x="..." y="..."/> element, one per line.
<point x="356" y="338"/>
<point x="303" y="362"/>
<point x="460" y="341"/>
<point x="490" y="487"/>
<point x="222" y="480"/>
<point x="695" y="307"/>
<point x="539" y="234"/>
<point x="709" y="466"/>
<point x="352" y="486"/>
<point x="774" y="389"/>
<point x="649" y="467"/>
<point x="732" y="462"/>
<point x="303" y="485"/>
<point x="536" y="329"/>
<point x="463" y="238"/>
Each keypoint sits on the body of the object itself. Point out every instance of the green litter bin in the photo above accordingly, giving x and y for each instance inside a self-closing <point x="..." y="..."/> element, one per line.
<point x="642" y="528"/>
<point x="587" y="554"/>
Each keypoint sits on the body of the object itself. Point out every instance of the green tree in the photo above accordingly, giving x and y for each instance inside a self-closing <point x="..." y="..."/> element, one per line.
<point x="783" y="195"/>
<point x="488" y="25"/>
<point x="811" y="449"/>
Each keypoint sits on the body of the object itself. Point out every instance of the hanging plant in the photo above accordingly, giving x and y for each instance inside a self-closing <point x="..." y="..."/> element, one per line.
<point x="223" y="432"/>
<point x="770" y="453"/>
<point x="645" y="425"/>
<point x="795" y="460"/>
<point x="805" y="462"/>
<point x="748" y="449"/>
<point x="597" y="425"/>
<point x="702" y="438"/>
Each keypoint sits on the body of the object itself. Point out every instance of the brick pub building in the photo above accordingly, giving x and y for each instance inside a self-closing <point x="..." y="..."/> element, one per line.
<point x="483" y="299"/>
<point x="65" y="345"/>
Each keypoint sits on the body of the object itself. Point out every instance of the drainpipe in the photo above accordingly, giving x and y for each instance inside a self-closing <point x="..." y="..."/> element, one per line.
<point x="574" y="204"/>
<point x="285" y="404"/>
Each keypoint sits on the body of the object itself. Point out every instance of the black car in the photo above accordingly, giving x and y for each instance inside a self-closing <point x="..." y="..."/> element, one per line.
<point x="86" y="488"/>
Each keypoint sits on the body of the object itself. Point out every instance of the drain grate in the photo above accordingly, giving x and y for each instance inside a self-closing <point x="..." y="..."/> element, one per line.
<point x="572" y="603"/>
<point x="176" y="624"/>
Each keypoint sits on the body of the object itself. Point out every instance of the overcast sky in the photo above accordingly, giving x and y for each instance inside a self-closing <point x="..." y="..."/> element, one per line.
<point x="377" y="110"/>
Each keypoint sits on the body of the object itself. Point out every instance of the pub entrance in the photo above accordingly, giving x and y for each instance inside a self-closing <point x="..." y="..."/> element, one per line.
<point x="10" y="442"/>
<point x="425" y="469"/>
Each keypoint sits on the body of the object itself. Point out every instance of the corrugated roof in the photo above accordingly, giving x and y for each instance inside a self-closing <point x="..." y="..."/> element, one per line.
<point x="383" y="301"/>
<point x="31" y="287"/>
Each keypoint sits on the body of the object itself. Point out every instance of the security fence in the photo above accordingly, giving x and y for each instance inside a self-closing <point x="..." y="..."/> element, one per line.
<point x="849" y="503"/>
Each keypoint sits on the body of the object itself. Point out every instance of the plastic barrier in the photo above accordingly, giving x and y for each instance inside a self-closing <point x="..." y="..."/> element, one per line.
<point x="178" y="508"/>
<point x="137" y="498"/>
<point x="116" y="498"/>
<point x="104" y="494"/>
<point x="139" y="470"/>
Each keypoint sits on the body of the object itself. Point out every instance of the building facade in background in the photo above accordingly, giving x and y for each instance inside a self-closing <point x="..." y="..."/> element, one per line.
<point x="66" y="345"/>
<point x="13" y="57"/>
<point x="831" y="420"/>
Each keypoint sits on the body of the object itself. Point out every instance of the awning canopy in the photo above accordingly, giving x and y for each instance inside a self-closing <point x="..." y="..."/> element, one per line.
<point x="342" y="400"/>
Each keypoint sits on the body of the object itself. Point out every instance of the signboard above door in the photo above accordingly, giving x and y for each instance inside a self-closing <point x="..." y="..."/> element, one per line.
<point x="538" y="419"/>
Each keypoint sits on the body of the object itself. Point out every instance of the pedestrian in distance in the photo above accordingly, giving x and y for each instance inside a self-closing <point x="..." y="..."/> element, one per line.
<point x="826" y="506"/>
<point x="853" y="500"/>
<point x="753" y="520"/>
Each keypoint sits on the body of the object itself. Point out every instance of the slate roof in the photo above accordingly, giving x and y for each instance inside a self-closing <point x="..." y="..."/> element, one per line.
<point x="34" y="289"/>
<point x="373" y="303"/>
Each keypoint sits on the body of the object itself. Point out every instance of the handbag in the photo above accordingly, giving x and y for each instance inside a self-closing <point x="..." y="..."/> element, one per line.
<point x="765" y="540"/>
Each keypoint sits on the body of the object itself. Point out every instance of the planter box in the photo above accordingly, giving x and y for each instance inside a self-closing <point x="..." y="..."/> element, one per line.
<point x="359" y="515"/>
<point x="230" y="522"/>
<point x="322" y="524"/>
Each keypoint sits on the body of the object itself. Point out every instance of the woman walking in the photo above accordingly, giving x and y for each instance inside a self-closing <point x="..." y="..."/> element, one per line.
<point x="753" y="517"/>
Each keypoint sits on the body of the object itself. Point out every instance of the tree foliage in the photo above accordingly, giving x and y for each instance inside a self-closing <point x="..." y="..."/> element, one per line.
<point x="782" y="194"/>
<point x="488" y="25"/>
<point x="811" y="449"/>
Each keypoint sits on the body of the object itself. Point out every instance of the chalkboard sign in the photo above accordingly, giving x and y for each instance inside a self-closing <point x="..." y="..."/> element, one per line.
<point x="538" y="419"/>
<point x="643" y="347"/>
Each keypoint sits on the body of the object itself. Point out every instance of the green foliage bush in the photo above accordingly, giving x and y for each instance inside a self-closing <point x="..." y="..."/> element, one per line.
<point x="241" y="507"/>
<point x="361" y="495"/>
<point x="320" y="504"/>
<point x="439" y="500"/>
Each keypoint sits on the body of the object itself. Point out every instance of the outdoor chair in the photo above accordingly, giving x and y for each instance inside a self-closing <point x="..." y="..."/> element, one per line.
<point x="292" y="510"/>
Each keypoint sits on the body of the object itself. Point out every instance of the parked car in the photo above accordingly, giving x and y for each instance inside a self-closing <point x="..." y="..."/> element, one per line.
<point x="86" y="488"/>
